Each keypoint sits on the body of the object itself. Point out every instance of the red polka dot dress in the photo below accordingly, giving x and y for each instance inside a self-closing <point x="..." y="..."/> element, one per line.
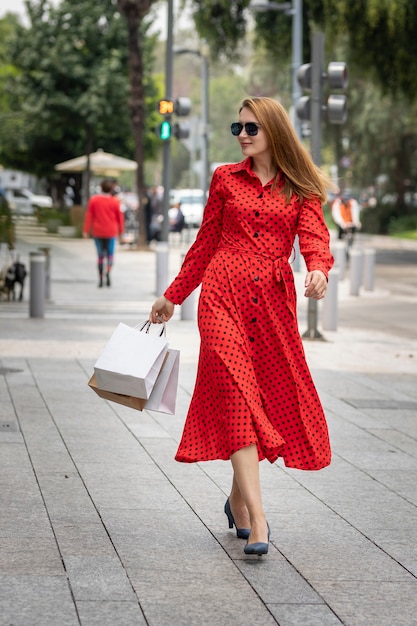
<point x="253" y="384"/>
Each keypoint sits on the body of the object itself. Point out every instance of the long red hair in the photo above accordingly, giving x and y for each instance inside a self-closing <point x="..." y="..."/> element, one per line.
<point x="301" y="175"/>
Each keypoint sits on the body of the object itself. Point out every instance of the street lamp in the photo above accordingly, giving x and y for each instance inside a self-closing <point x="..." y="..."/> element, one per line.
<point x="204" y="56"/>
<point x="295" y="9"/>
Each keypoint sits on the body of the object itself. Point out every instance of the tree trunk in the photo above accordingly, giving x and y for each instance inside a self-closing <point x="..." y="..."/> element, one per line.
<point x="134" y="12"/>
<point x="87" y="174"/>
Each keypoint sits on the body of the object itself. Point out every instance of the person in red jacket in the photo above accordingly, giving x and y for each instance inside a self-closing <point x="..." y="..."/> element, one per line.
<point x="104" y="222"/>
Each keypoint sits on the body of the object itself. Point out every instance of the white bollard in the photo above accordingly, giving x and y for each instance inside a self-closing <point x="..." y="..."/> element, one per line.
<point x="47" y="252"/>
<point x="330" y="303"/>
<point x="296" y="256"/>
<point x="162" y="251"/>
<point x="369" y="269"/>
<point x="188" y="308"/>
<point x="339" y="253"/>
<point x="356" y="270"/>
<point x="37" y="284"/>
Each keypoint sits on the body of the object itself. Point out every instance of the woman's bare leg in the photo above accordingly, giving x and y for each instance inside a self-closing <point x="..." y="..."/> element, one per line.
<point x="238" y="506"/>
<point x="246" y="477"/>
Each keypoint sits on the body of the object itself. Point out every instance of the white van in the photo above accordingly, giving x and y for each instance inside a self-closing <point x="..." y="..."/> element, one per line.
<point x="192" y="203"/>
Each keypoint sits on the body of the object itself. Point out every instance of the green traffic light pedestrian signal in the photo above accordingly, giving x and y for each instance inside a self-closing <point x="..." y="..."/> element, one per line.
<point x="165" y="130"/>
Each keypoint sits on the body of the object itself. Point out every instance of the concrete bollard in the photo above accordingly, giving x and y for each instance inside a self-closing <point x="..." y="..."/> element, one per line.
<point x="47" y="253"/>
<point x="356" y="270"/>
<point x="188" y="306"/>
<point x="339" y="253"/>
<point x="330" y="303"/>
<point x="37" y="284"/>
<point x="162" y="250"/>
<point x="369" y="269"/>
<point x="296" y="256"/>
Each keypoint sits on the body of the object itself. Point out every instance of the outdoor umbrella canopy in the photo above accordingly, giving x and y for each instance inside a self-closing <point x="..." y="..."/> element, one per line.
<point x="101" y="164"/>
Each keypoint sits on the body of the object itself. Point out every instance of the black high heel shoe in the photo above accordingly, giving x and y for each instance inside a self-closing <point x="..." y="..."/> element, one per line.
<point x="241" y="533"/>
<point x="259" y="547"/>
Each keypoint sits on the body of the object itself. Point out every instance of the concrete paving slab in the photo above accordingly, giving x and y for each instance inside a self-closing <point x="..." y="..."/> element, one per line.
<point x="297" y="614"/>
<point x="107" y="613"/>
<point x="100" y="578"/>
<point x="371" y="603"/>
<point x="36" y="600"/>
<point x="37" y="556"/>
<point x="208" y="600"/>
<point x="278" y="581"/>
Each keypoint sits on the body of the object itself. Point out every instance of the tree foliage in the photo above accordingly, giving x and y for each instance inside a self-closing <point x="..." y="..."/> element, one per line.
<point x="70" y="80"/>
<point x="377" y="39"/>
<point x="381" y="38"/>
<point x="69" y="87"/>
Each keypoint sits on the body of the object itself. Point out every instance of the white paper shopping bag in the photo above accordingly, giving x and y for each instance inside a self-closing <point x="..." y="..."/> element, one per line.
<point x="131" y="361"/>
<point x="164" y="393"/>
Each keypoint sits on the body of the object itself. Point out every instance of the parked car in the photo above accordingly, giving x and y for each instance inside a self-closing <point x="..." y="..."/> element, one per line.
<point x="192" y="202"/>
<point x="24" y="202"/>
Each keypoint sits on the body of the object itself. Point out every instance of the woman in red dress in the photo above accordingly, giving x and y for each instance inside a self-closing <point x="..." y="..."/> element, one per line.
<point x="254" y="397"/>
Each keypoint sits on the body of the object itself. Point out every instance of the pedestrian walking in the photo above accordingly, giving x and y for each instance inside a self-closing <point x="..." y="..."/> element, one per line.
<point x="346" y="216"/>
<point x="104" y="221"/>
<point x="254" y="396"/>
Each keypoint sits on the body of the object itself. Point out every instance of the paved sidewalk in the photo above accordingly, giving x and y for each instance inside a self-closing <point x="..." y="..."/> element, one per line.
<point x="100" y="526"/>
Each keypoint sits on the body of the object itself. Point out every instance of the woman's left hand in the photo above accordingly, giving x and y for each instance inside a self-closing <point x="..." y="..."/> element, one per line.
<point x="315" y="284"/>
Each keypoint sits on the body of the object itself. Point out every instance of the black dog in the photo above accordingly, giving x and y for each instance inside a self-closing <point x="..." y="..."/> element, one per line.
<point x="15" y="275"/>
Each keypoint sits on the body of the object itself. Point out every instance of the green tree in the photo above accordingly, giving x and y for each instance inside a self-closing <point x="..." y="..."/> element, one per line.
<point x="377" y="38"/>
<point x="135" y="11"/>
<point x="11" y="121"/>
<point x="71" y="80"/>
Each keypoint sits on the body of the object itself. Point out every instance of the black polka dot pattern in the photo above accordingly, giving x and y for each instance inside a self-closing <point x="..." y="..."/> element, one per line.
<point x="253" y="384"/>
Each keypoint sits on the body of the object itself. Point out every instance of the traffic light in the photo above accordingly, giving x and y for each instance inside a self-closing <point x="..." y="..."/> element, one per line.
<point x="182" y="130"/>
<point x="338" y="78"/>
<point x="336" y="105"/>
<point x="167" y="107"/>
<point x="164" y="130"/>
<point x="182" y="106"/>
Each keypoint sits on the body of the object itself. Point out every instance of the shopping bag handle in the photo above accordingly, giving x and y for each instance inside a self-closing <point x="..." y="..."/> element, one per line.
<point x="146" y="326"/>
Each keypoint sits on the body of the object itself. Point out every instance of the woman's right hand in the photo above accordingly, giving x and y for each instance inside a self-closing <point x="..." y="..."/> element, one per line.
<point x="162" y="311"/>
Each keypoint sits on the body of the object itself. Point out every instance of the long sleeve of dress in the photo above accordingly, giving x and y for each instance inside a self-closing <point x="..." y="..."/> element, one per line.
<point x="314" y="237"/>
<point x="203" y="249"/>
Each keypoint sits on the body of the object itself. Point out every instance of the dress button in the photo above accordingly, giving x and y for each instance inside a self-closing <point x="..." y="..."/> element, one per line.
<point x="256" y="278"/>
<point x="253" y="319"/>
<point x="255" y="300"/>
<point x="251" y="339"/>
<point x="256" y="234"/>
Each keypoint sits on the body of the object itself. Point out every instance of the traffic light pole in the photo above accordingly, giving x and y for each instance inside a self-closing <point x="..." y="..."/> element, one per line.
<point x="317" y="57"/>
<point x="162" y="247"/>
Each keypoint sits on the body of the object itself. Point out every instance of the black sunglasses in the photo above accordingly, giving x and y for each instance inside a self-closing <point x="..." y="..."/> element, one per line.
<point x="250" y="127"/>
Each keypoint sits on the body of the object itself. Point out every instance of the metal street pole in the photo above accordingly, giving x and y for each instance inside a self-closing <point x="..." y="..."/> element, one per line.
<point x="317" y="62"/>
<point x="297" y="57"/>
<point x="317" y="56"/>
<point x="204" y="132"/>
<point x="205" y="120"/>
<point x="162" y="247"/>
<point x="297" y="60"/>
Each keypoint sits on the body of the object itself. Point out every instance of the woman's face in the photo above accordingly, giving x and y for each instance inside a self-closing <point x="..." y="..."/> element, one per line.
<point x="252" y="145"/>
